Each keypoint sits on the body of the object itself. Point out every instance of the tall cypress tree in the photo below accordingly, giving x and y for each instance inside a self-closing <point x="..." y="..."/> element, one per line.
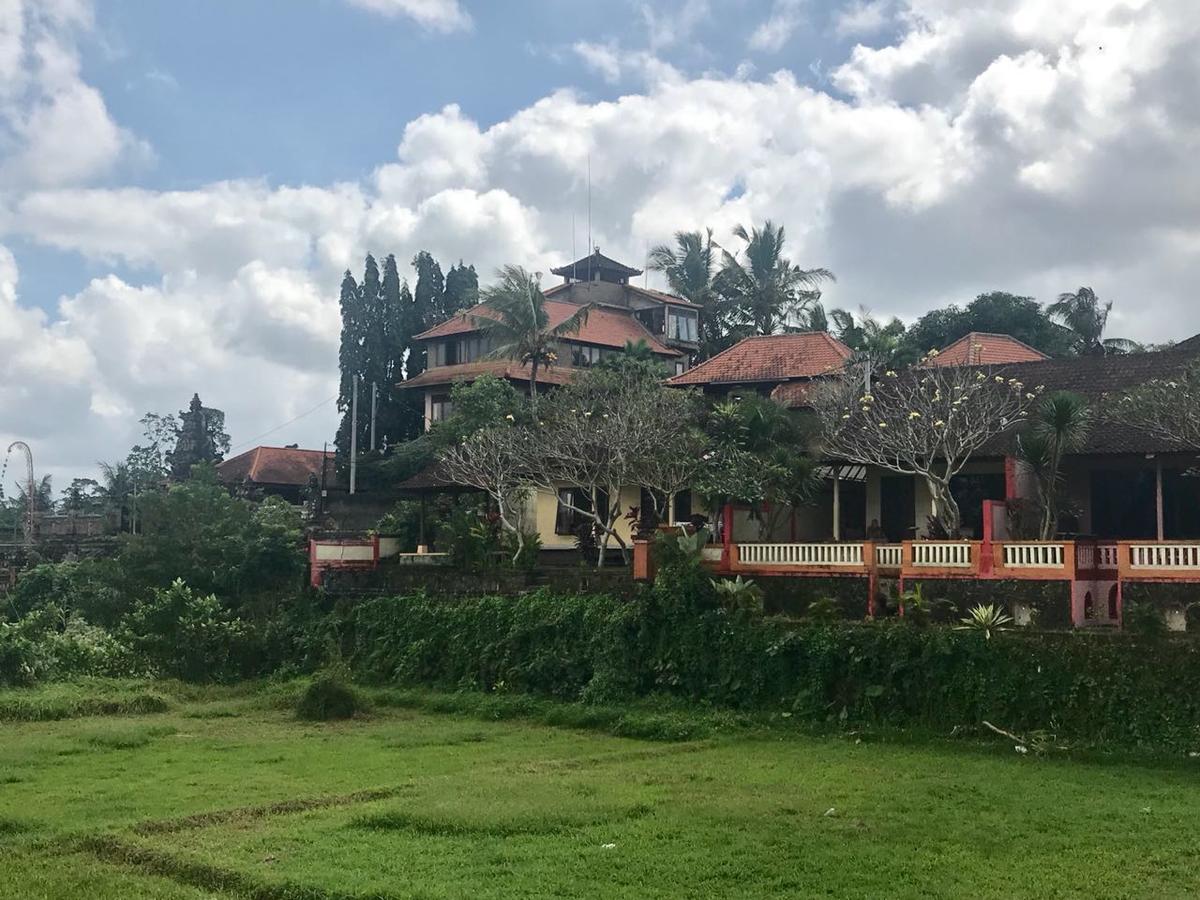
<point x="428" y="298"/>
<point x="401" y="417"/>
<point x="462" y="289"/>
<point x="350" y="355"/>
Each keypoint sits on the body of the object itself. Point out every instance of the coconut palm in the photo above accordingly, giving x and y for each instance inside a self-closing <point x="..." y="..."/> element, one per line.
<point x="872" y="341"/>
<point x="689" y="268"/>
<point x="1086" y="317"/>
<point x="519" y="326"/>
<point x="762" y="291"/>
<point x="116" y="493"/>
<point x="1058" y="425"/>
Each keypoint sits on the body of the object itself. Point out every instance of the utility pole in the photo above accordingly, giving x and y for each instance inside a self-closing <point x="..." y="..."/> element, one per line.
<point x="354" y="436"/>
<point x="374" y="401"/>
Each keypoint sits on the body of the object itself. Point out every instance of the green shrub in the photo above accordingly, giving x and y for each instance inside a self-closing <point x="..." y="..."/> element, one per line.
<point x="1104" y="688"/>
<point x="327" y="699"/>
<point x="185" y="635"/>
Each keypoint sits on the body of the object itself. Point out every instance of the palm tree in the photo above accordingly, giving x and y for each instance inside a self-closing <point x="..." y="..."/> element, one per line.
<point x="520" y="327"/>
<point x="763" y="290"/>
<point x="117" y="490"/>
<point x="1086" y="316"/>
<point x="872" y="341"/>
<point x="689" y="269"/>
<point x="1060" y="424"/>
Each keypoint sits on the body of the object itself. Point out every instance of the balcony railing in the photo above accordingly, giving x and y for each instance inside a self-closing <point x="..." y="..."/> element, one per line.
<point x="889" y="556"/>
<point x="1164" y="556"/>
<point x="800" y="554"/>
<point x="942" y="554"/>
<point x="1030" y="555"/>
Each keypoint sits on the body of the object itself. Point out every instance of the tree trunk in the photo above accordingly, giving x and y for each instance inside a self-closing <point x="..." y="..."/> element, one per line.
<point x="945" y="506"/>
<point x="533" y="370"/>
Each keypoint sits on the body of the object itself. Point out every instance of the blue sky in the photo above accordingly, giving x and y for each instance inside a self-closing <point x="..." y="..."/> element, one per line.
<point x="182" y="183"/>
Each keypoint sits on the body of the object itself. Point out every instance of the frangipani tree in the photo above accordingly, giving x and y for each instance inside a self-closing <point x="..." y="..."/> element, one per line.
<point x="497" y="461"/>
<point x="1168" y="408"/>
<point x="927" y="421"/>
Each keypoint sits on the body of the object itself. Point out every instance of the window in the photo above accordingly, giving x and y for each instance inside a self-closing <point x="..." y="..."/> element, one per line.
<point x="567" y="520"/>
<point x="683" y="507"/>
<point x="586" y="357"/>
<point x="440" y="407"/>
<point x="682" y="325"/>
<point x="472" y="349"/>
<point x="443" y="353"/>
<point x="681" y="366"/>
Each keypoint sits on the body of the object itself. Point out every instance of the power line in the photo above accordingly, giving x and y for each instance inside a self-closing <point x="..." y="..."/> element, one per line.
<point x="284" y="425"/>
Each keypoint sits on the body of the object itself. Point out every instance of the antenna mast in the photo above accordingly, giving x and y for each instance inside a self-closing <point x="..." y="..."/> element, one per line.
<point x="591" y="250"/>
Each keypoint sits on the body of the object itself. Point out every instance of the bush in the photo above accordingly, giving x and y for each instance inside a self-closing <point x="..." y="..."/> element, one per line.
<point x="328" y="699"/>
<point x="1103" y="688"/>
<point x="182" y="634"/>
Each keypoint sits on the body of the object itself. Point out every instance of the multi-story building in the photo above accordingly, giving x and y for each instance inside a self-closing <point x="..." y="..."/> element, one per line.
<point x="621" y="313"/>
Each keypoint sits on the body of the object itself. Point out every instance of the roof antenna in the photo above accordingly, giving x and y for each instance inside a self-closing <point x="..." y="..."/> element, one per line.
<point x="590" y="251"/>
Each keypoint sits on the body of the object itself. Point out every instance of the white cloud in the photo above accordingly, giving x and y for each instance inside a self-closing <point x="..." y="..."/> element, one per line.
<point x="435" y="15"/>
<point x="772" y="34"/>
<point x="602" y="58"/>
<point x="863" y="17"/>
<point x="55" y="128"/>
<point x="1008" y="145"/>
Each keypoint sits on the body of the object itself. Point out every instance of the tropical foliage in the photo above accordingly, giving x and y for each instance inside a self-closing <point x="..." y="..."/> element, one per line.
<point x="1057" y="425"/>
<point x="518" y="323"/>
<point x="1086" y="316"/>
<point x="763" y="292"/>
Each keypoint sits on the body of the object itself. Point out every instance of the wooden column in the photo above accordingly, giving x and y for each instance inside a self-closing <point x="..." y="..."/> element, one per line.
<point x="837" y="505"/>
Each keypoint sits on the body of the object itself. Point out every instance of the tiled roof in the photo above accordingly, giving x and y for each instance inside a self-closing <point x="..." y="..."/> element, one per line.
<point x="774" y="357"/>
<point x="983" y="348"/>
<point x="605" y="326"/>
<point x="648" y="293"/>
<point x="501" y="368"/>
<point x="663" y="297"/>
<point x="595" y="263"/>
<point x="275" y="465"/>
<point x="1094" y="376"/>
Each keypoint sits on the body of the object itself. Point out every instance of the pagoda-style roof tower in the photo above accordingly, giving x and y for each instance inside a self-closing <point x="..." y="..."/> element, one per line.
<point x="597" y="267"/>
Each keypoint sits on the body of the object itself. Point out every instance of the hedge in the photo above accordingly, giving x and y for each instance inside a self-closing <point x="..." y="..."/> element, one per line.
<point x="1096" y="688"/>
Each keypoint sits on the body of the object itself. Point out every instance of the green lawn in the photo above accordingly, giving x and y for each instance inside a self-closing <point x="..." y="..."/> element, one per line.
<point x="225" y="794"/>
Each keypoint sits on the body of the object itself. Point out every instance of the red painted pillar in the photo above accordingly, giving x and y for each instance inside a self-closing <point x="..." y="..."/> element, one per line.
<point x="1010" y="478"/>
<point x="726" y="534"/>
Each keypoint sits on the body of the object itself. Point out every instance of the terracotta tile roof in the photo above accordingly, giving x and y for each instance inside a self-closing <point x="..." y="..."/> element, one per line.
<point x="663" y="297"/>
<point x="501" y="368"/>
<point x="774" y="357"/>
<point x="275" y="465"/>
<point x="605" y="326"/>
<point x="648" y="293"/>
<point x="982" y="348"/>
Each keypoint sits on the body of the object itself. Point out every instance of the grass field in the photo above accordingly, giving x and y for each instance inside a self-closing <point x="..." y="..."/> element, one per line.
<point x="222" y="793"/>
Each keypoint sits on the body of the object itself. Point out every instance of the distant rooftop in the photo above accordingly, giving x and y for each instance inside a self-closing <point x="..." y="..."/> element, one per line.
<point x="597" y="266"/>
<point x="981" y="348"/>
<point x="771" y="357"/>
<point x="275" y="465"/>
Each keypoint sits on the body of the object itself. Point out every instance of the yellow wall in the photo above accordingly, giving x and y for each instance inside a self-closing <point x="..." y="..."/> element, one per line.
<point x="545" y="509"/>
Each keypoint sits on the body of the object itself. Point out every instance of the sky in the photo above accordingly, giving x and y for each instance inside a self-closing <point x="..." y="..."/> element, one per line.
<point x="183" y="183"/>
